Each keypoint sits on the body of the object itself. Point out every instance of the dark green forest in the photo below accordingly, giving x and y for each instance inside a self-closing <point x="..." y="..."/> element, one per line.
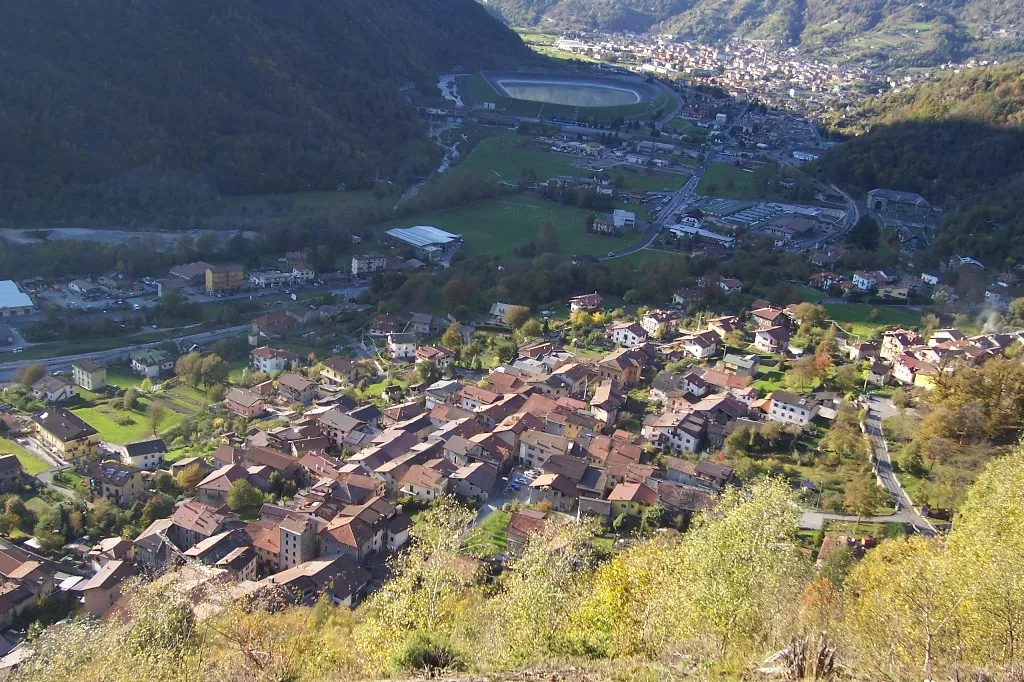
<point x="809" y="23"/>
<point x="119" y="108"/>
<point x="958" y="142"/>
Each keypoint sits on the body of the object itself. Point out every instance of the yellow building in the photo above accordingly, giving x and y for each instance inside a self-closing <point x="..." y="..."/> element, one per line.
<point x="224" y="278"/>
<point x="65" y="433"/>
<point x="631" y="499"/>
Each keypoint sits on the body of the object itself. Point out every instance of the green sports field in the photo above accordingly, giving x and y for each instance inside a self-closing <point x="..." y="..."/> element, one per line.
<point x="723" y="180"/>
<point x="498" y="226"/>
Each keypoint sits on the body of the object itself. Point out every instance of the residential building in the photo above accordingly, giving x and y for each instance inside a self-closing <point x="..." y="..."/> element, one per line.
<point x="607" y="401"/>
<point x="439" y="355"/>
<point x="270" y="360"/>
<point x="914" y="372"/>
<point x="866" y="280"/>
<point x="424" y="483"/>
<point x="52" y="389"/>
<point x="474" y="398"/>
<point x="763" y="318"/>
<point x="717" y="475"/>
<point x="792" y="409"/>
<point x="771" y="340"/>
<point x="214" y="548"/>
<point x="244" y="403"/>
<point x="151" y="362"/>
<point x="864" y="351"/>
<point x="702" y="345"/>
<point x="109" y="549"/>
<point x="588" y="302"/>
<point x="339" y="371"/>
<point x="222" y="279"/>
<point x="104" y="588"/>
<point x="194" y="521"/>
<point x="896" y="342"/>
<point x="425" y="324"/>
<point x="622" y="365"/>
<point x="524" y="524"/>
<point x="401" y="347"/>
<point x="241" y="563"/>
<point x="295" y="388"/>
<point x="340" y="579"/>
<point x="535" y="447"/>
<point x="631" y="499"/>
<point x="741" y="365"/>
<point x="676" y="432"/>
<point x="298" y="541"/>
<point x="146" y="455"/>
<point x="120" y="483"/>
<point x="65" y="433"/>
<point x="89" y="375"/>
<point x="558" y="490"/>
<point x="365" y="264"/>
<point x="729" y="285"/>
<point x="879" y="373"/>
<point x="475" y="480"/>
<point x="214" y="488"/>
<point x="302" y="274"/>
<point x="660" y="322"/>
<point x="11" y="474"/>
<point x="626" y="334"/>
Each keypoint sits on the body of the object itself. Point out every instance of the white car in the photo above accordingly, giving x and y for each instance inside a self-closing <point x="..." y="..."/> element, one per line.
<point x="532" y="473"/>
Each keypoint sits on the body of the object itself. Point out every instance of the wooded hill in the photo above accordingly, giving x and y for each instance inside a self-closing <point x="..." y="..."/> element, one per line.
<point x="943" y="30"/>
<point x="115" y="106"/>
<point x="956" y="141"/>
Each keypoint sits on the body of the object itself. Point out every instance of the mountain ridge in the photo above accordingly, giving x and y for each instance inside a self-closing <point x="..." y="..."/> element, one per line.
<point x="105" y="100"/>
<point x="956" y="142"/>
<point x="944" y="27"/>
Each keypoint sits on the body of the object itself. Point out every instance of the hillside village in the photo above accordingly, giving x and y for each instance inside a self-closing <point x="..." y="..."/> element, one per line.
<point x="312" y="484"/>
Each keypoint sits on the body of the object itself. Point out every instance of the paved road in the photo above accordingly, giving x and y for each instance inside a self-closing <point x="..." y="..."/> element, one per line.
<point x="63" y="363"/>
<point x="644" y="242"/>
<point x="852" y="216"/>
<point x="813" y="520"/>
<point x="676" y="108"/>
<point x="680" y="201"/>
<point x="877" y="410"/>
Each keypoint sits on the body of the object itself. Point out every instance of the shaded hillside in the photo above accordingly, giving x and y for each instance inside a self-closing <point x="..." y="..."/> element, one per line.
<point x="141" y="103"/>
<point x="939" y="31"/>
<point x="958" y="142"/>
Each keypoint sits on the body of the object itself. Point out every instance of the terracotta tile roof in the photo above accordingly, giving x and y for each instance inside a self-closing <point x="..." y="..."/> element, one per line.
<point x="633" y="492"/>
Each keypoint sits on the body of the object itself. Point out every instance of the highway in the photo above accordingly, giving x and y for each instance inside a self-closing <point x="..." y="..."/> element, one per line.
<point x="63" y="363"/>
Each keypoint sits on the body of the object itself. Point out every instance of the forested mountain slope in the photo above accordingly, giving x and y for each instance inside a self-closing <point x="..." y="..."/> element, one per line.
<point x="102" y="98"/>
<point x="947" y="29"/>
<point x="957" y="141"/>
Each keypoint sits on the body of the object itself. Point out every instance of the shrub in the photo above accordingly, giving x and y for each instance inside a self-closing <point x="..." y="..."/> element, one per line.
<point x="425" y="651"/>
